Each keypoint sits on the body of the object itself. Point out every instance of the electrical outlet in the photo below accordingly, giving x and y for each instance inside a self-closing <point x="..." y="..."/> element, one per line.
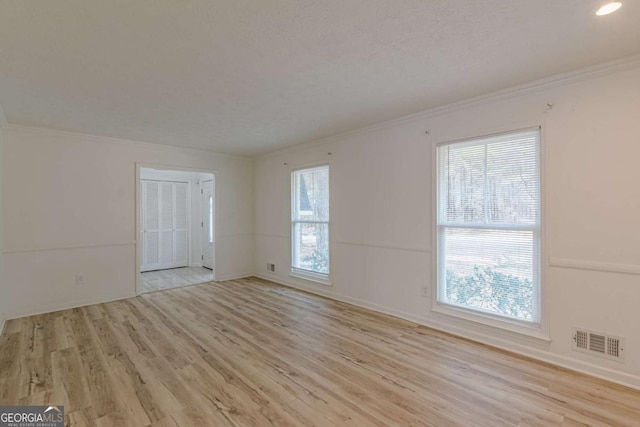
<point x="425" y="291"/>
<point x="79" y="279"/>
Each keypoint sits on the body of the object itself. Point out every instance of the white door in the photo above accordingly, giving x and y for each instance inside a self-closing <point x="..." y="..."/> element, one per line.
<point x="208" y="222"/>
<point x="150" y="225"/>
<point x="181" y="225"/>
<point x="167" y="230"/>
<point x="165" y="213"/>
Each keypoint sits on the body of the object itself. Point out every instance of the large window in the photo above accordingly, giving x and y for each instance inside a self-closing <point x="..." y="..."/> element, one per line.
<point x="310" y="222"/>
<point x="489" y="225"/>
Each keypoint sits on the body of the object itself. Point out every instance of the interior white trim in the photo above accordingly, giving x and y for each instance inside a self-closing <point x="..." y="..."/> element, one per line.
<point x="608" y="267"/>
<point x="234" y="235"/>
<point x="322" y="279"/>
<point x="39" y="130"/>
<point x="532" y="330"/>
<point x="67" y="248"/>
<point x="583" y="74"/>
<point x="43" y="309"/>
<point x="507" y="344"/>
<point x="276" y="236"/>
<point x="382" y="245"/>
<point x="366" y="244"/>
<point x="234" y="276"/>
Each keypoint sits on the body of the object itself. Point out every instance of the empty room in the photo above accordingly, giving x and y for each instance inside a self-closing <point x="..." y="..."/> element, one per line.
<point x="319" y="213"/>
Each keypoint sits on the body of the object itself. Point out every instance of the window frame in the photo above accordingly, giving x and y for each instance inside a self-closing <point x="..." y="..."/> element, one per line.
<point x="537" y="330"/>
<point x="297" y="272"/>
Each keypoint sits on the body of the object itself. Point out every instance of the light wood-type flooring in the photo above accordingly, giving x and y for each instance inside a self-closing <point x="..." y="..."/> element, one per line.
<point x="252" y="353"/>
<point x="173" y="278"/>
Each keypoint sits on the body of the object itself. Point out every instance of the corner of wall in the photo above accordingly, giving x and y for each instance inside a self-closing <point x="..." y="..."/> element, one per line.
<point x="2" y="322"/>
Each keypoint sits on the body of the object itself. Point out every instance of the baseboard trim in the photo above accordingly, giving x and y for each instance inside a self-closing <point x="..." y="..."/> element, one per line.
<point x="101" y="300"/>
<point x="234" y="276"/>
<point x="621" y="378"/>
<point x="71" y="304"/>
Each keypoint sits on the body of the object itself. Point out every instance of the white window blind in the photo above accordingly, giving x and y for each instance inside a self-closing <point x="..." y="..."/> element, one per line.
<point x="489" y="225"/>
<point x="310" y="221"/>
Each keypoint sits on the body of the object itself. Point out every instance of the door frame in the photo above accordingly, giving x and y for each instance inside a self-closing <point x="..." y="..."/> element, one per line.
<point x="138" y="214"/>
<point x="213" y="225"/>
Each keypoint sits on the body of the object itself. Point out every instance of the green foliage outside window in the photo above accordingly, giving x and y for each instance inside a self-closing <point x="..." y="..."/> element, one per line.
<point x="489" y="289"/>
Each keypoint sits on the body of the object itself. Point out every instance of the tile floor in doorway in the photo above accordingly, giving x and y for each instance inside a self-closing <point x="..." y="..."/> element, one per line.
<point x="175" y="277"/>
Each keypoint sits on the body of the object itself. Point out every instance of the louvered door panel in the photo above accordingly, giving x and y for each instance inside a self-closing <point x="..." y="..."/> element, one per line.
<point x="167" y="229"/>
<point x="166" y="203"/>
<point x="181" y="206"/>
<point x="182" y="249"/>
<point x="181" y="224"/>
<point x="165" y="217"/>
<point x="166" y="249"/>
<point x="151" y="222"/>
<point x="152" y="251"/>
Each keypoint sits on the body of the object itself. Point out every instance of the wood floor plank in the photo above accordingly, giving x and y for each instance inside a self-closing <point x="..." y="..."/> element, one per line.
<point x="66" y="374"/>
<point x="250" y="353"/>
<point x="280" y="367"/>
<point x="385" y="376"/>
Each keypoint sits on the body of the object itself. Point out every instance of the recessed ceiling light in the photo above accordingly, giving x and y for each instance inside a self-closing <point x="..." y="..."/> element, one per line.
<point x="609" y="8"/>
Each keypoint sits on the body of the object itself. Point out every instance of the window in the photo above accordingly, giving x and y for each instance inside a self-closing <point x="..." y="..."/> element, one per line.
<point x="489" y="225"/>
<point x="310" y="222"/>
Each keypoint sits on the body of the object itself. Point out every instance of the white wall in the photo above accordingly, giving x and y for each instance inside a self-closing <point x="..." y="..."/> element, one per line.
<point x="382" y="245"/>
<point x="195" y="206"/>
<point x="69" y="208"/>
<point x="3" y="296"/>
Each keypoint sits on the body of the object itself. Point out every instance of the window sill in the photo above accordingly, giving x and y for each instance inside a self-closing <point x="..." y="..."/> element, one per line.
<point x="533" y="330"/>
<point x="310" y="276"/>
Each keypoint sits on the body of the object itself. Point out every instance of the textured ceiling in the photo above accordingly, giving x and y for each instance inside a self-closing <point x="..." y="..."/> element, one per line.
<point x="246" y="77"/>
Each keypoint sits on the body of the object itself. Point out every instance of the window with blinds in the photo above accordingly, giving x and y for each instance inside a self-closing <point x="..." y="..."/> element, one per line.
<point x="310" y="222"/>
<point x="489" y="225"/>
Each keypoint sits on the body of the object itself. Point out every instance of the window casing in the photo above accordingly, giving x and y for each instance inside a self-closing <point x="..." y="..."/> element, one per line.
<point x="310" y="223"/>
<point x="488" y="226"/>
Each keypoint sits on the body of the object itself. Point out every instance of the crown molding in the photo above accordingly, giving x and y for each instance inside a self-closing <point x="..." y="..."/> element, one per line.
<point x="575" y="76"/>
<point x="109" y="140"/>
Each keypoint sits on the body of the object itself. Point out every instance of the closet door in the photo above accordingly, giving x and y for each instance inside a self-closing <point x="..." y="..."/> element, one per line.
<point x="167" y="229"/>
<point x="181" y="224"/>
<point x="165" y="223"/>
<point x="151" y="226"/>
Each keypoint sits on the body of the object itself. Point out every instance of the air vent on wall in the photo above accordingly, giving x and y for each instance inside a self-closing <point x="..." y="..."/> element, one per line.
<point x="582" y="339"/>
<point x="598" y="344"/>
<point x="271" y="267"/>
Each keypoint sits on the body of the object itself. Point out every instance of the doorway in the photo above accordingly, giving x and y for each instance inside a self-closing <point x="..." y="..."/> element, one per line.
<point x="176" y="228"/>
